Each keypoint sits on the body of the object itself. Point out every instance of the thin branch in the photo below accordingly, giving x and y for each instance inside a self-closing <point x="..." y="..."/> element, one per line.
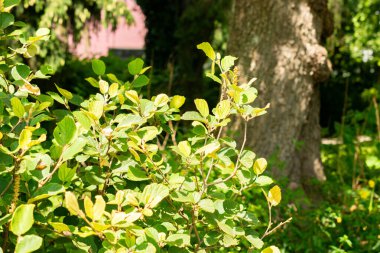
<point x="54" y="170"/>
<point x="195" y="231"/>
<point x="6" y="188"/>
<point x="282" y="223"/>
<point x="237" y="160"/>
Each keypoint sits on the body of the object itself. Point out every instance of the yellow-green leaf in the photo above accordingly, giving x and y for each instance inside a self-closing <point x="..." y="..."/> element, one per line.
<point x="177" y="101"/>
<point x="114" y="88"/>
<point x="99" y="207"/>
<point x="28" y="243"/>
<point x="161" y="100"/>
<point x="222" y="110"/>
<point x="274" y="195"/>
<point x="96" y="108"/>
<point x="22" y="219"/>
<point x="184" y="148"/>
<point x="207" y="49"/>
<point x="17" y="107"/>
<point x="89" y="207"/>
<point x="25" y="138"/>
<point x="202" y="107"/>
<point x="67" y="94"/>
<point x="259" y="166"/>
<point x="133" y="96"/>
<point x="271" y="249"/>
<point x="72" y="203"/>
<point x="103" y="86"/>
<point x="153" y="194"/>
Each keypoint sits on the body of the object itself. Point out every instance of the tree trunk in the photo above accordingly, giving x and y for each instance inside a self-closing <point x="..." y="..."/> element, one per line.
<point x="279" y="43"/>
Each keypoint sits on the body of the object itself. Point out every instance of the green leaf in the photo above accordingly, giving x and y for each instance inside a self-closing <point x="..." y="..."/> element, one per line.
<point x="98" y="67"/>
<point x="260" y="166"/>
<point x="47" y="191"/>
<point x="229" y="241"/>
<point x="209" y="148"/>
<point x="207" y="49"/>
<point x="247" y="158"/>
<point x="22" y="219"/>
<point x="93" y="82"/>
<point x="184" y="148"/>
<point x="6" y="19"/>
<point x="207" y="205"/>
<point x="8" y="3"/>
<point x="227" y="62"/>
<point x="31" y="51"/>
<point x="222" y="109"/>
<point x="202" y="107"/>
<point x="56" y="97"/>
<point x="135" y="66"/>
<point x="247" y="96"/>
<point x="147" y="133"/>
<point x="255" y="241"/>
<point x="20" y="72"/>
<point x="227" y="227"/>
<point x="28" y="243"/>
<point x="73" y="149"/>
<point x="5" y="219"/>
<point x="72" y="203"/>
<point x="192" y="116"/>
<point x="17" y="107"/>
<point x="140" y="81"/>
<point x="179" y="240"/>
<point x="67" y="94"/>
<point x="42" y="32"/>
<point x="66" y="174"/>
<point x="263" y="181"/>
<point x="136" y="174"/>
<point x="153" y="194"/>
<point x="177" y="101"/>
<point x="214" y="77"/>
<point x="82" y="118"/>
<point x="65" y="131"/>
<point x="129" y="121"/>
<point x="212" y="238"/>
<point x="59" y="227"/>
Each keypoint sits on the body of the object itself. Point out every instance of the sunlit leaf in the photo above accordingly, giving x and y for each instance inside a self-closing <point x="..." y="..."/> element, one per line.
<point x="207" y="49"/>
<point x="274" y="195"/>
<point x="28" y="243"/>
<point x="99" y="208"/>
<point x="259" y="166"/>
<point x="271" y="249"/>
<point x="202" y="107"/>
<point x="22" y="219"/>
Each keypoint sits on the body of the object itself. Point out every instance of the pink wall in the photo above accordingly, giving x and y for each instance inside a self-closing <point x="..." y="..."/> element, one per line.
<point x="124" y="37"/>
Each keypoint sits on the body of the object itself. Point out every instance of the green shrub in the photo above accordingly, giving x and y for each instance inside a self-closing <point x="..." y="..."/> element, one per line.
<point x="111" y="174"/>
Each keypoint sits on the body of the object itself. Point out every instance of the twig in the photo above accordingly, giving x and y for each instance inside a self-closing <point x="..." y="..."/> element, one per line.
<point x="6" y="188"/>
<point x="282" y="223"/>
<point x="195" y="231"/>
<point x="54" y="170"/>
<point x="237" y="160"/>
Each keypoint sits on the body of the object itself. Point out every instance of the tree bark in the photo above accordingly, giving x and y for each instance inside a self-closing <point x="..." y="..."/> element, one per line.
<point x="279" y="43"/>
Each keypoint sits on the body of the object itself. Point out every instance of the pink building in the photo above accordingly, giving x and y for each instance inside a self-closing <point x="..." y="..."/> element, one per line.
<point x="125" y="40"/>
